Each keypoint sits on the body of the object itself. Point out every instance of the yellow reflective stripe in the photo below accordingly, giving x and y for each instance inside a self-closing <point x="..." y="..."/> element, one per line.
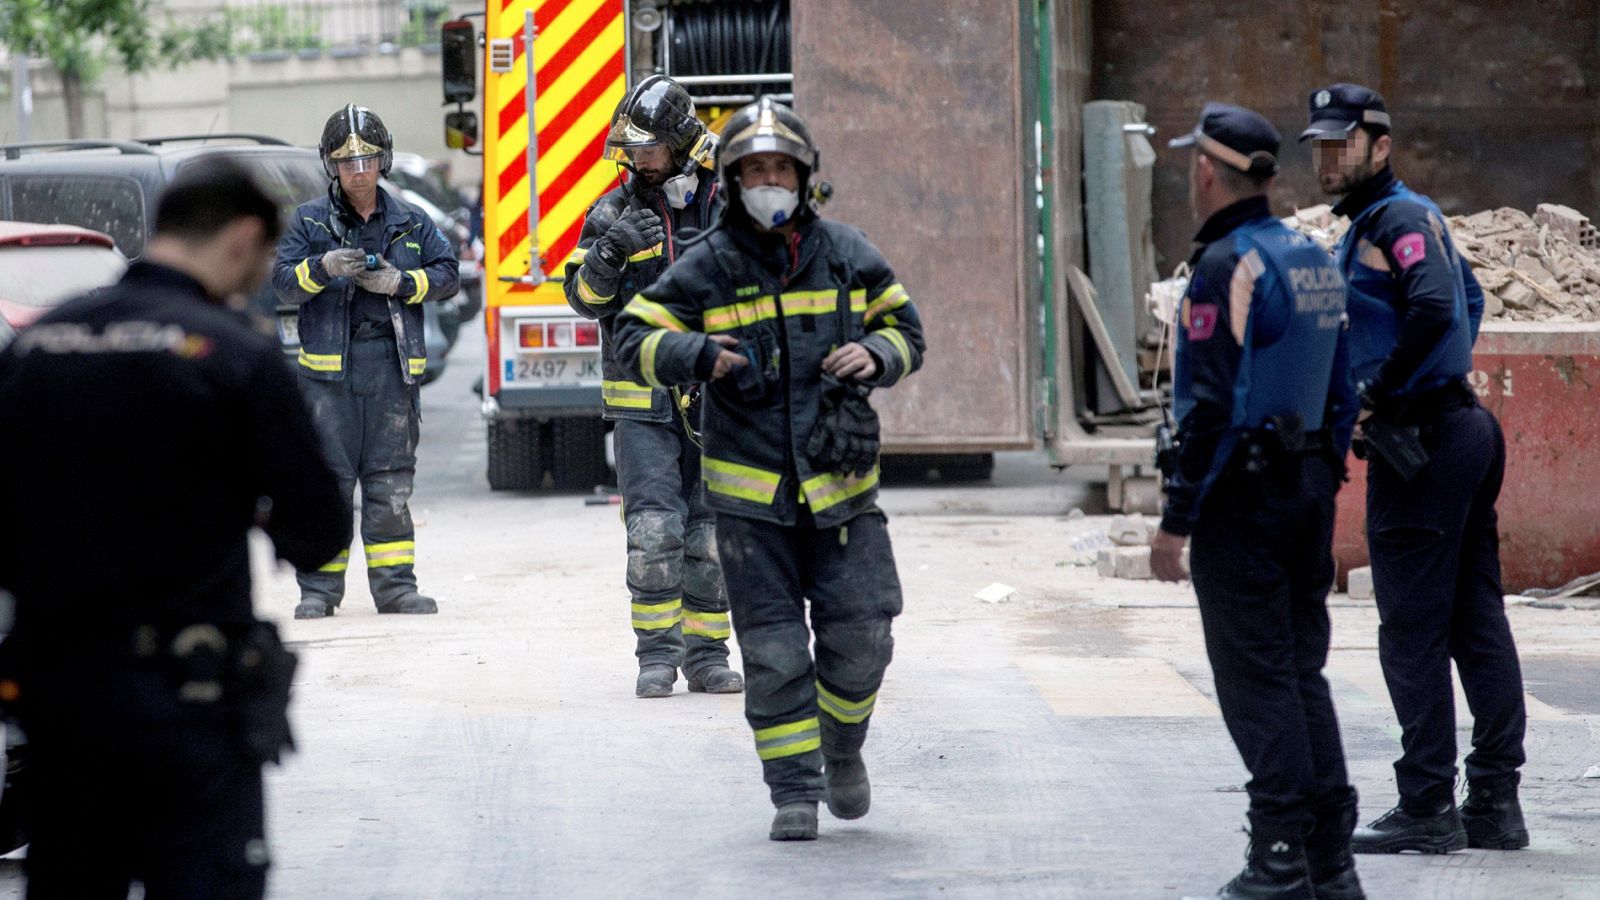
<point x="899" y="342"/>
<point x="791" y="739"/>
<point x="829" y="490"/>
<point x="339" y="563"/>
<point x="321" y="362"/>
<point x="819" y="303"/>
<point x="395" y="553"/>
<point x="588" y="294"/>
<point x="713" y="625"/>
<point x="657" y="616"/>
<point x="626" y="395"/>
<point x="893" y="297"/>
<point x="649" y="253"/>
<point x="421" y="279"/>
<point x="654" y="314"/>
<point x="749" y="312"/>
<point x="743" y="482"/>
<point x="850" y="712"/>
<point x="579" y="254"/>
<point x="308" y="284"/>
<point x="647" y="356"/>
<point x="417" y="365"/>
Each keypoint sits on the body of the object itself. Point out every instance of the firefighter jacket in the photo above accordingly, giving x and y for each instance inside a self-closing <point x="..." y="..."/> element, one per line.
<point x="595" y="296"/>
<point x="789" y="301"/>
<point x="146" y="428"/>
<point x="411" y="243"/>
<point x="1261" y="340"/>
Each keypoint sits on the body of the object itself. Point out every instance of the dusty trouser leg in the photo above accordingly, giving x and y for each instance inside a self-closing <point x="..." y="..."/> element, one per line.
<point x="388" y="467"/>
<point x="855" y="595"/>
<point x="762" y="564"/>
<point x="654" y="510"/>
<point x="706" y="623"/>
<point x="338" y="418"/>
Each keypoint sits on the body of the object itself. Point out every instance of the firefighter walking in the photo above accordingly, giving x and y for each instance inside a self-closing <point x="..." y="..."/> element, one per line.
<point x="792" y="320"/>
<point x="360" y="263"/>
<point x="630" y="236"/>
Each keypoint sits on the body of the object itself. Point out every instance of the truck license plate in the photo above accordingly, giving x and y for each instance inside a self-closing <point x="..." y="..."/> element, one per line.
<point x="553" y="369"/>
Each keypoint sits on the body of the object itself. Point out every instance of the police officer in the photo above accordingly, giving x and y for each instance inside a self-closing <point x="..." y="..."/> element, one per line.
<point x="793" y="320"/>
<point x="146" y="427"/>
<point x="360" y="263"/>
<point x="1435" y="460"/>
<point x="630" y="236"/>
<point x="1264" y="406"/>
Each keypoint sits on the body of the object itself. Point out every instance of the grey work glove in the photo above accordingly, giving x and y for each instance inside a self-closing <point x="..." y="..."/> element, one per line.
<point x="634" y="230"/>
<point x="845" y="439"/>
<point x="385" y="279"/>
<point x="344" y="263"/>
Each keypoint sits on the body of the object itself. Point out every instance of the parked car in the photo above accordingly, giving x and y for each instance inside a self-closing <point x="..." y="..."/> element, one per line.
<point x="42" y="266"/>
<point x="112" y="186"/>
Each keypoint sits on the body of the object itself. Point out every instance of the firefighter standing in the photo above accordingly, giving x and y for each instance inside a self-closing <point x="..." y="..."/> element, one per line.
<point x="792" y="319"/>
<point x="1264" y="404"/>
<point x="1435" y="460"/>
<point x="360" y="263"/>
<point x="146" y="428"/>
<point x="630" y="236"/>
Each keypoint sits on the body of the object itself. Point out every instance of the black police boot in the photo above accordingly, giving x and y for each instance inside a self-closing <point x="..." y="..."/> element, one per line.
<point x="410" y="604"/>
<point x="1333" y="868"/>
<point x="715" y="679"/>
<point x="1429" y="824"/>
<point x="1274" y="869"/>
<point x="655" y="681"/>
<point x="1492" y="815"/>
<point x="849" y="792"/>
<point x="795" y="822"/>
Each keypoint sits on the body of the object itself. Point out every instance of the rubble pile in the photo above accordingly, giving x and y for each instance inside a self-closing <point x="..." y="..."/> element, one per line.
<point x="1539" y="268"/>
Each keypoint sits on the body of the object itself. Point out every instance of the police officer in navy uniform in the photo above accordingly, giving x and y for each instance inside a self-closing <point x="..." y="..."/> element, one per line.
<point x="147" y="429"/>
<point x="1435" y="460"/>
<point x="630" y="236"/>
<point x="1264" y="406"/>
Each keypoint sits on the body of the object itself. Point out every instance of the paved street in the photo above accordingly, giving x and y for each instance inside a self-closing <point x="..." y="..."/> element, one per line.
<point x="1064" y="743"/>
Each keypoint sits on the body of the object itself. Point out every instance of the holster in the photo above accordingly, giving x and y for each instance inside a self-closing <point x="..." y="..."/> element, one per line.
<point x="258" y="678"/>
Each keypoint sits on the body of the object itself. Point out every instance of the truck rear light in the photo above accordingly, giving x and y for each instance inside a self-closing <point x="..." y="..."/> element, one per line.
<point x="531" y="335"/>
<point x="588" y="334"/>
<point x="561" y="334"/>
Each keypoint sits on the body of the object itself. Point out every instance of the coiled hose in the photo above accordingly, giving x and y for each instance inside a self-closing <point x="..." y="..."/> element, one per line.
<point x="732" y="38"/>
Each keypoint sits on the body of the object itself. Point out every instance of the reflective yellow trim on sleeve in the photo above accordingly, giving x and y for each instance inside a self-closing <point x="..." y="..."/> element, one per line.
<point x="420" y="277"/>
<point x="647" y="356"/>
<point x="339" y="563"/>
<point x="893" y="297"/>
<point x="417" y="365"/>
<point x="394" y="553"/>
<point x="657" y="616"/>
<point x="742" y="482"/>
<point x="577" y="256"/>
<point x="626" y="395"/>
<point x="321" y="362"/>
<point x="302" y="273"/>
<point x="653" y="313"/>
<point x="850" y="712"/>
<point x="900" y="344"/>
<point x="714" y="626"/>
<point x="791" y="739"/>
<point x="823" y="492"/>
<point x="588" y="294"/>
<point x="647" y="253"/>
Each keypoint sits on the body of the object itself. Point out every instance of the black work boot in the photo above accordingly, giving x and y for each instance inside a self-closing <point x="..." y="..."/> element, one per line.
<point x="409" y="604"/>
<point x="1333" y="868"/>
<point x="1492" y="815"/>
<point x="849" y="792"/>
<point x="1429" y="824"/>
<point x="655" y="681"/>
<point x="1274" y="869"/>
<point x="312" y="608"/>
<point x="716" y="679"/>
<point x="795" y="822"/>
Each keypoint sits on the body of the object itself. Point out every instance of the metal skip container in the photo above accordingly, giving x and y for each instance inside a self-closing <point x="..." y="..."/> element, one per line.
<point x="1542" y="381"/>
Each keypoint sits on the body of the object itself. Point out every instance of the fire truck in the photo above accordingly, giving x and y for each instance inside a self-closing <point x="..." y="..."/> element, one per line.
<point x="943" y="137"/>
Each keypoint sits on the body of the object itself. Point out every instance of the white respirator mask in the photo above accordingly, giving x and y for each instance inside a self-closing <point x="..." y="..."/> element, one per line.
<point x="769" y="205"/>
<point x="679" y="191"/>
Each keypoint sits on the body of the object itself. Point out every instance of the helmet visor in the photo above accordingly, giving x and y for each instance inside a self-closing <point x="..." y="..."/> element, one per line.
<point x="654" y="155"/>
<point x="358" y="165"/>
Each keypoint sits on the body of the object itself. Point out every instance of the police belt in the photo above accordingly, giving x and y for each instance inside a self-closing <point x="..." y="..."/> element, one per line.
<point x="1426" y="408"/>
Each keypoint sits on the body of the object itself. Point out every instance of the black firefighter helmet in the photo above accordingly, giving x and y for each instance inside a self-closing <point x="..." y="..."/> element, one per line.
<point x="659" y="111"/>
<point x="767" y="126"/>
<point x="353" y="133"/>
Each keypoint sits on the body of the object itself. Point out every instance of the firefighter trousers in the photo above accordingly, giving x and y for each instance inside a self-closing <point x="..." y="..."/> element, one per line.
<point x="369" y="424"/>
<point x="801" y="708"/>
<point x="679" y="605"/>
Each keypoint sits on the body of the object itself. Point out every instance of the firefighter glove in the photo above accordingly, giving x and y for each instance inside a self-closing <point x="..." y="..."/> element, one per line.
<point x="845" y="439"/>
<point x="633" y="231"/>
<point x="344" y="263"/>
<point x="385" y="279"/>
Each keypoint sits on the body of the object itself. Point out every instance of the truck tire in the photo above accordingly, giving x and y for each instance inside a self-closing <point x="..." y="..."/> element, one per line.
<point x="578" y="456"/>
<point x="516" y="459"/>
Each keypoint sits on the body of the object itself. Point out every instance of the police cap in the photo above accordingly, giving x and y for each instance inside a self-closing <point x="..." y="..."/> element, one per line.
<point x="1338" y="108"/>
<point x="1240" y="138"/>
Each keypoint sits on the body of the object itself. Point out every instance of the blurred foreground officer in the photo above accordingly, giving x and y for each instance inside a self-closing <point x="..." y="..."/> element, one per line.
<point x="1435" y="460"/>
<point x="146" y="429"/>
<point x="792" y="320"/>
<point x="1264" y="405"/>
<point x="630" y="236"/>
<point x="360" y="263"/>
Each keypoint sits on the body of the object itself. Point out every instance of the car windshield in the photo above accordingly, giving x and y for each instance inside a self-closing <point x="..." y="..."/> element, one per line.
<point x="107" y="203"/>
<point x="44" y="276"/>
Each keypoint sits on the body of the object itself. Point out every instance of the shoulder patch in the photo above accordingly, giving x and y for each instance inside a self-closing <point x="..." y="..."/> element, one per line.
<point x="1409" y="249"/>
<point x="1200" y="321"/>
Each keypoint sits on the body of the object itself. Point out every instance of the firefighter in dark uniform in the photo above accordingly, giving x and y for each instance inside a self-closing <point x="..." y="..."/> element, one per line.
<point x="146" y="428"/>
<point x="630" y="236"/>
<point x="1435" y="460"/>
<point x="360" y="263"/>
<point x="1264" y="406"/>
<point x="792" y="320"/>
